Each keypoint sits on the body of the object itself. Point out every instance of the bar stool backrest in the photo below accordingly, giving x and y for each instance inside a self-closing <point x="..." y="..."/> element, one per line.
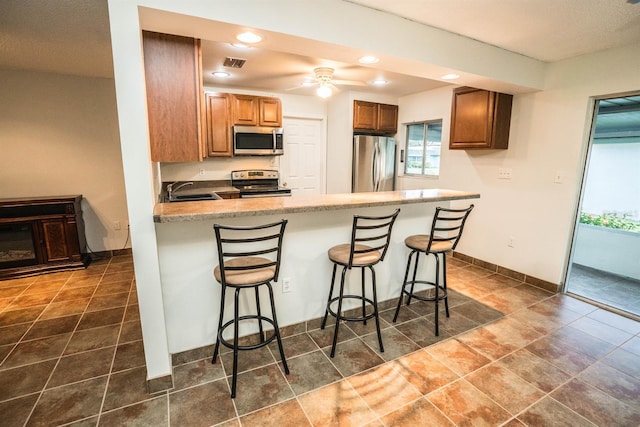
<point x="447" y="227"/>
<point x="371" y="234"/>
<point x="262" y="243"/>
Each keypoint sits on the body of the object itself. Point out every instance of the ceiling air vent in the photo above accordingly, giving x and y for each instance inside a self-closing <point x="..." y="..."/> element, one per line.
<point x="234" y="62"/>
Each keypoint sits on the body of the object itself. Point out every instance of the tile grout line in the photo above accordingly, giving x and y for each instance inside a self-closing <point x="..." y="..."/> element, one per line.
<point x="65" y="347"/>
<point x="115" y="353"/>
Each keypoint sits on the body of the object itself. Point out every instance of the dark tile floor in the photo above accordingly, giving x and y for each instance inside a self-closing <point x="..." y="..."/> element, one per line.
<point x="510" y="354"/>
<point x="615" y="291"/>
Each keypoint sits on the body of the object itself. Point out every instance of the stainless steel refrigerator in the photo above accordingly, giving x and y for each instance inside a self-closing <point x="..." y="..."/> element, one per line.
<point x="374" y="163"/>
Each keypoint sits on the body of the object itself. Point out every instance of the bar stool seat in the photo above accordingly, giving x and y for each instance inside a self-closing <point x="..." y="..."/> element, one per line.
<point x="340" y="254"/>
<point x="249" y="258"/>
<point x="376" y="232"/>
<point x="246" y="277"/>
<point x="446" y="230"/>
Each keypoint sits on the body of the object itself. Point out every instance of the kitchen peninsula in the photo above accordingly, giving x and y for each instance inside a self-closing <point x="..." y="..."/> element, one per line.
<point x="187" y="252"/>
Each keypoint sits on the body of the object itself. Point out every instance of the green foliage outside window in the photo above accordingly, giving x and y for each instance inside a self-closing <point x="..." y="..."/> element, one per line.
<point x="610" y="220"/>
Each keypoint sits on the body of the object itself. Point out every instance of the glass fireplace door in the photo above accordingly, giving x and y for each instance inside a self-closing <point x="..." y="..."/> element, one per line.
<point x="17" y="247"/>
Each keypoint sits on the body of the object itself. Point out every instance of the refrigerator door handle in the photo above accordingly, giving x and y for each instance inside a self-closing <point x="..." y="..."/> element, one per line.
<point x="374" y="169"/>
<point x="382" y="166"/>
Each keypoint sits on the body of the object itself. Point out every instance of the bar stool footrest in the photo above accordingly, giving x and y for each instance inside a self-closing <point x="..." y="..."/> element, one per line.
<point x="247" y="347"/>
<point x="352" y="318"/>
<point x="442" y="292"/>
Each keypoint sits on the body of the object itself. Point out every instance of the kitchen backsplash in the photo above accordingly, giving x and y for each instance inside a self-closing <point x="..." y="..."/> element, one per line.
<point x="214" y="169"/>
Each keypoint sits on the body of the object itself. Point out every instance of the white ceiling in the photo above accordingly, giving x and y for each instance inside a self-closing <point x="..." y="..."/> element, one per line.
<point x="72" y="37"/>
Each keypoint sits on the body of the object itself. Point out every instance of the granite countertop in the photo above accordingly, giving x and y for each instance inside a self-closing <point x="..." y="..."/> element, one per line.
<point x="232" y="208"/>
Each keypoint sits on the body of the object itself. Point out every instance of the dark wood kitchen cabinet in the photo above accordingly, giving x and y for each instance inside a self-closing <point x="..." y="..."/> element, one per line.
<point x="174" y="103"/>
<point x="218" y="118"/>
<point x="371" y="117"/>
<point x="251" y="110"/>
<point x="480" y="119"/>
<point x="41" y="234"/>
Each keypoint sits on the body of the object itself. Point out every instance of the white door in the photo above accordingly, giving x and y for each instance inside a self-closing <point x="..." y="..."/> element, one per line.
<point x="303" y="163"/>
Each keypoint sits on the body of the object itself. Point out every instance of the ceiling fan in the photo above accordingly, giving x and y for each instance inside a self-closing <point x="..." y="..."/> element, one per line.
<point x="323" y="78"/>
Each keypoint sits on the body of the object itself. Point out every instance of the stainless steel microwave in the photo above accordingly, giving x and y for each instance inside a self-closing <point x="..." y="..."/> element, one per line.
<point x="257" y="141"/>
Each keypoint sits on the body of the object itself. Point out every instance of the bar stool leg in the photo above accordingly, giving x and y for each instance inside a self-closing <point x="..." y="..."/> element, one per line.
<point x="235" y="342"/>
<point x="259" y="314"/>
<point x="364" y="311"/>
<point x="415" y="273"/>
<point x="404" y="285"/>
<point x="375" y="307"/>
<point x="338" y="313"/>
<point x="219" y="335"/>
<point x="277" y="329"/>
<point x="326" y="312"/>
<point x="444" y="281"/>
<point x="437" y="286"/>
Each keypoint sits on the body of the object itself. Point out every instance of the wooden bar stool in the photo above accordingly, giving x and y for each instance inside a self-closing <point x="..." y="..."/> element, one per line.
<point x="446" y="230"/>
<point x="370" y="236"/>
<point x="249" y="257"/>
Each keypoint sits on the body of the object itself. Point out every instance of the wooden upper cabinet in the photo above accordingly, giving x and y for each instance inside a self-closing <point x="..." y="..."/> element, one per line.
<point x="270" y="111"/>
<point x="251" y="110"/>
<point x="174" y="86"/>
<point x="365" y="115"/>
<point x="218" y="118"/>
<point x="377" y="118"/>
<point x="480" y="119"/>
<point x="387" y="118"/>
<point x="245" y="110"/>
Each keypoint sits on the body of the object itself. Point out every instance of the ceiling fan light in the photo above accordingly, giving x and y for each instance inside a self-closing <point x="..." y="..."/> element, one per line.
<point x="249" y="37"/>
<point x="368" y="59"/>
<point x="324" y="91"/>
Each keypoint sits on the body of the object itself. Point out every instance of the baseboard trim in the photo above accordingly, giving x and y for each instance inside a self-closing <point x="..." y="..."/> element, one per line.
<point x="530" y="280"/>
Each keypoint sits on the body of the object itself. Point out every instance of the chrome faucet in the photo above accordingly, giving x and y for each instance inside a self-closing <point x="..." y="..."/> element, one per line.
<point x="171" y="190"/>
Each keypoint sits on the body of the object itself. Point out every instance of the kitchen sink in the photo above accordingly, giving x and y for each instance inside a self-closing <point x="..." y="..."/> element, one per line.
<point x="194" y="197"/>
<point x="191" y="193"/>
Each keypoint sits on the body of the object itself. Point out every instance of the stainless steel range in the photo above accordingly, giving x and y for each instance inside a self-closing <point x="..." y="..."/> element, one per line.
<point x="258" y="183"/>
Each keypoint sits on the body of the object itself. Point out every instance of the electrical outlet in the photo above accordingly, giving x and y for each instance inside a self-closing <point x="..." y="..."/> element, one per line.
<point x="116" y="225"/>
<point x="511" y="242"/>
<point x="286" y="285"/>
<point x="504" y="173"/>
<point x="558" y="178"/>
<point x="201" y="172"/>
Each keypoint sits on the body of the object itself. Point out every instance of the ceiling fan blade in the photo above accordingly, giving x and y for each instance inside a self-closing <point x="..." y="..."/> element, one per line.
<point x="349" y="82"/>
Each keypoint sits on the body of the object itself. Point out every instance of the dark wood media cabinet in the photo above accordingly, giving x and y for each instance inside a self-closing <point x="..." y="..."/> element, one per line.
<point x="41" y="234"/>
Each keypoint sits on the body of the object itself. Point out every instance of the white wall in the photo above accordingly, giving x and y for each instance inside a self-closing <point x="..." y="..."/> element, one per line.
<point x="60" y="137"/>
<point x="549" y="132"/>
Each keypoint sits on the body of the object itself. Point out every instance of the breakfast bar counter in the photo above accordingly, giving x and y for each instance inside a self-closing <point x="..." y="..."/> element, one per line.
<point x="234" y="208"/>
<point x="187" y="252"/>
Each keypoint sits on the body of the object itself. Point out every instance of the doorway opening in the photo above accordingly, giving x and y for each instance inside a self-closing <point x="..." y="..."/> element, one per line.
<point x="604" y="264"/>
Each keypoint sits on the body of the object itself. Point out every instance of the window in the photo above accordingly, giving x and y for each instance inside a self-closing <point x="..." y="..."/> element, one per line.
<point x="423" y="148"/>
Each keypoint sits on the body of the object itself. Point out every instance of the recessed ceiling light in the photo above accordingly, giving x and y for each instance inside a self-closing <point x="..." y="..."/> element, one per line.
<point x="368" y="59"/>
<point x="221" y="74"/>
<point x="240" y="45"/>
<point x="249" y="37"/>
<point x="451" y="76"/>
<point x="380" y="82"/>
